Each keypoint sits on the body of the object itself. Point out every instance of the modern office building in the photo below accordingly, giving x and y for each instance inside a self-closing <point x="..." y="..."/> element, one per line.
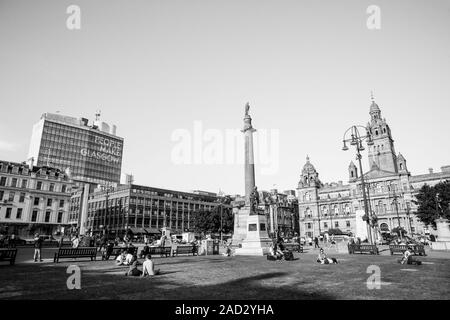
<point x="33" y="199"/>
<point x="91" y="153"/>
<point x="391" y="190"/>
<point x="144" y="210"/>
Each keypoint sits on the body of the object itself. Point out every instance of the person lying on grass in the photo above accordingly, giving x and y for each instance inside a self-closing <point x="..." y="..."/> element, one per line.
<point x="408" y="258"/>
<point x="323" y="259"/>
<point x="148" y="268"/>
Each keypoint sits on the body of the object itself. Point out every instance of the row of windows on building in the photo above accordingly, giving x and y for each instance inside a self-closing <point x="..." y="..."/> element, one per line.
<point x="36" y="201"/>
<point x="34" y="215"/>
<point x="52" y="187"/>
<point x="309" y="225"/>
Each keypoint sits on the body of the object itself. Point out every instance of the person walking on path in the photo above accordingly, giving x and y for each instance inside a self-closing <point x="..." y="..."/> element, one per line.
<point x="37" y="248"/>
<point x="316" y="243"/>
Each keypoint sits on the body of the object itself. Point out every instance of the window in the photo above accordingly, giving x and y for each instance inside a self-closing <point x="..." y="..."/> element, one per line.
<point x="63" y="188"/>
<point x="47" y="216"/>
<point x="19" y="213"/>
<point x="22" y="197"/>
<point x="36" y="201"/>
<point x="11" y="196"/>
<point x="34" y="215"/>
<point x="336" y="224"/>
<point x="308" y="225"/>
<point x="325" y="225"/>
<point x="52" y="187"/>
<point x="336" y="210"/>
<point x="14" y="182"/>
<point x="347" y="209"/>
<point x="24" y="183"/>
<point x="60" y="215"/>
<point x="3" y="181"/>
<point x="8" y="213"/>
<point x="39" y="185"/>
<point x="2" y="193"/>
<point x="49" y="202"/>
<point x="348" y="224"/>
<point x="61" y="203"/>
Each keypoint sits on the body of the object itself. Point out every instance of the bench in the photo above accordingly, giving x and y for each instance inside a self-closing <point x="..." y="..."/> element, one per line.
<point x="417" y="250"/>
<point x="363" y="248"/>
<point x="186" y="250"/>
<point x="8" y="255"/>
<point x="115" y="251"/>
<point x="81" y="252"/>
<point x="293" y="247"/>
<point x="163" y="251"/>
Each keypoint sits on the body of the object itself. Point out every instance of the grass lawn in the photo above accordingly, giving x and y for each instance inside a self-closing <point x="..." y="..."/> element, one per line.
<point x="217" y="277"/>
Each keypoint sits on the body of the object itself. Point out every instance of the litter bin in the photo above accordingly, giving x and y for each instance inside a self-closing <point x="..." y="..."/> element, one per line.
<point x="216" y="247"/>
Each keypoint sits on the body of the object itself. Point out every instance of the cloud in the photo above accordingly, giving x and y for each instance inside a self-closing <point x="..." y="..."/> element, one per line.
<point x="7" y="146"/>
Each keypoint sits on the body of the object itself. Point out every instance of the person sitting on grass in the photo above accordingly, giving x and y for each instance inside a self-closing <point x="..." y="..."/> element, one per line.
<point x="274" y="253"/>
<point x="148" y="267"/>
<point x="228" y="252"/>
<point x="323" y="259"/>
<point x="120" y="260"/>
<point x="144" y="251"/>
<point x="408" y="258"/>
<point x="133" y="270"/>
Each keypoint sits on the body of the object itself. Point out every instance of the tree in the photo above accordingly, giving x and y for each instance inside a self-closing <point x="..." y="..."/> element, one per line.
<point x="209" y="221"/>
<point x="433" y="203"/>
<point x="397" y="231"/>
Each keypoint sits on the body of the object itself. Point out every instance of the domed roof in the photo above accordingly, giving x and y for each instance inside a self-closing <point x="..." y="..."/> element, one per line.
<point x="308" y="167"/>
<point x="374" y="107"/>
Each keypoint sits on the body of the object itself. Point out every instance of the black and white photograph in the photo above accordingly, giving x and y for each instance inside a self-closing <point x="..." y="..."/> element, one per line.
<point x="224" y="155"/>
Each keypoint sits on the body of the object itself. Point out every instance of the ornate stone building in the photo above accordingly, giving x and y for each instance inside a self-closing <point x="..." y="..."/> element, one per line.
<point x="33" y="199"/>
<point x="391" y="189"/>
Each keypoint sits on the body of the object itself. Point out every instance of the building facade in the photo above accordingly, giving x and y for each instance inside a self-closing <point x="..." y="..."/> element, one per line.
<point x="33" y="199"/>
<point x="92" y="153"/>
<point x="391" y="189"/>
<point x="142" y="209"/>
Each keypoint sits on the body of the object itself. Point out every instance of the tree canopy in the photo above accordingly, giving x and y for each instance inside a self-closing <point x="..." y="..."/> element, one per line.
<point x="209" y="221"/>
<point x="433" y="203"/>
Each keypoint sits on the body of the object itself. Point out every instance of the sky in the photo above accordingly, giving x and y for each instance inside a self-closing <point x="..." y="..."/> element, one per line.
<point x="172" y="72"/>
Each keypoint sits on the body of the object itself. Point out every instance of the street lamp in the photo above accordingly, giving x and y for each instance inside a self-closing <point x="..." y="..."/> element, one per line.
<point x="356" y="140"/>
<point x="395" y="201"/>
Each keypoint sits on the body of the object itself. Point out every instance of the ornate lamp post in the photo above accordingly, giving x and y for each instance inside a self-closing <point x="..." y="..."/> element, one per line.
<point x="356" y="139"/>
<point x="395" y="201"/>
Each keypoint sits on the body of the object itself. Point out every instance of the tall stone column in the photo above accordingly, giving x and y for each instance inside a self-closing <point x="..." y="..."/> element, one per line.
<point x="249" y="158"/>
<point x="250" y="227"/>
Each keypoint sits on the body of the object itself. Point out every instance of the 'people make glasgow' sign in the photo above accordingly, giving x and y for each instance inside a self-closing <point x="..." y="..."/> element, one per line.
<point x="104" y="149"/>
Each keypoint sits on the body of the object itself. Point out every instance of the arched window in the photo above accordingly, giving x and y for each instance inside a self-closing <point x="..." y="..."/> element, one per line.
<point x="347" y="209"/>
<point x="324" y="210"/>
<point x="352" y="174"/>
<point x="376" y="132"/>
<point x="401" y="166"/>
<point x="308" y="213"/>
<point x="336" y="209"/>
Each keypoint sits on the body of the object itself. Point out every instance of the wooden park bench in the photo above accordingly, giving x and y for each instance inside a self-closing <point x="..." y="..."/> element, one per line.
<point x="186" y="250"/>
<point x="8" y="254"/>
<point x="163" y="251"/>
<point x="114" y="252"/>
<point x="81" y="252"/>
<point x="417" y="250"/>
<point x="363" y="248"/>
<point x="293" y="247"/>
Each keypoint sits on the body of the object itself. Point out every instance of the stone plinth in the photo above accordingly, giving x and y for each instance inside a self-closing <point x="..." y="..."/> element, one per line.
<point x="443" y="236"/>
<point x="240" y="225"/>
<point x="257" y="241"/>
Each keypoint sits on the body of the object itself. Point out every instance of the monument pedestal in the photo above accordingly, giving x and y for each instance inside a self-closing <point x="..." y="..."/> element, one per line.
<point x="257" y="241"/>
<point x="443" y="236"/>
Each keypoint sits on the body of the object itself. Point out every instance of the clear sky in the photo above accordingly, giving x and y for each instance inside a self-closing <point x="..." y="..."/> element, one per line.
<point x="156" y="67"/>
